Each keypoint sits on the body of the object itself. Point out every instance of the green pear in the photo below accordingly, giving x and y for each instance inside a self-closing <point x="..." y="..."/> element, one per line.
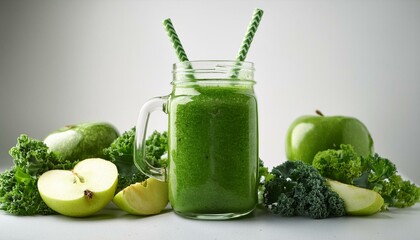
<point x="82" y="141"/>
<point x="357" y="201"/>
<point x="309" y="134"/>
<point x="144" y="198"/>
<point x="80" y="192"/>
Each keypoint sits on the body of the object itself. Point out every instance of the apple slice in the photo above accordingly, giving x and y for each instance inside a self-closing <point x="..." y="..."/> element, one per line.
<point x="80" y="192"/>
<point x="144" y="198"/>
<point x="357" y="201"/>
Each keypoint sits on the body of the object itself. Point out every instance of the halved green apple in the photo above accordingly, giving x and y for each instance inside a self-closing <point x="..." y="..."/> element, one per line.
<point x="357" y="201"/>
<point x="80" y="192"/>
<point x="144" y="198"/>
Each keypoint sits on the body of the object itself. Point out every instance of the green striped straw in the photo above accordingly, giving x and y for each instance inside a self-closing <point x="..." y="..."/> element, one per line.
<point x="182" y="56"/>
<point x="180" y="52"/>
<point x="252" y="28"/>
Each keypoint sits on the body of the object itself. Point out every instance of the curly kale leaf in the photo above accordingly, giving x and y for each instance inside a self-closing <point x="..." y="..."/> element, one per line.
<point x="398" y="192"/>
<point x="121" y="151"/>
<point x="297" y="189"/>
<point x="263" y="176"/>
<point x="18" y="186"/>
<point x="19" y="194"/>
<point x="33" y="157"/>
<point x="372" y="172"/>
<point x="350" y="164"/>
<point x="157" y="148"/>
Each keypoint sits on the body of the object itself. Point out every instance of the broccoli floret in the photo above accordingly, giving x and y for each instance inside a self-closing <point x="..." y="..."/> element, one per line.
<point x="121" y="151"/>
<point x="371" y="172"/>
<point x="297" y="189"/>
<point x="18" y="185"/>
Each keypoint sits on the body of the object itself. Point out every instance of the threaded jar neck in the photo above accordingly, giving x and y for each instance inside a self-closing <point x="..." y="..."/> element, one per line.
<point x="213" y="71"/>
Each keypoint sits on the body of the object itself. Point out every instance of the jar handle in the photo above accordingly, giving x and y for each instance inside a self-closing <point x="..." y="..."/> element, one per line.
<point x="140" y="161"/>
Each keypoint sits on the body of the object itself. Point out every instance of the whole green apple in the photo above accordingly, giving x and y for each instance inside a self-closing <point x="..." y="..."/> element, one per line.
<point x="82" y="141"/>
<point x="310" y="134"/>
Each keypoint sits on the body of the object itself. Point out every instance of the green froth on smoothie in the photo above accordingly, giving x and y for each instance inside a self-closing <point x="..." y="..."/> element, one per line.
<point x="213" y="149"/>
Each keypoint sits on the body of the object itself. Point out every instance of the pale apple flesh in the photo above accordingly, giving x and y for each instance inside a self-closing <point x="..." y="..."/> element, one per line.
<point x="80" y="192"/>
<point x="145" y="198"/>
<point x="357" y="201"/>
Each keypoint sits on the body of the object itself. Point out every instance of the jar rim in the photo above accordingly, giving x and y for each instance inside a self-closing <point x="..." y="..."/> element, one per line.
<point x="217" y="63"/>
<point x="213" y="70"/>
<point x="214" y="82"/>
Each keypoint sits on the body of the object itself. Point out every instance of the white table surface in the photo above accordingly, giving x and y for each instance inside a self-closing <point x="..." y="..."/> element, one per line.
<point x="111" y="223"/>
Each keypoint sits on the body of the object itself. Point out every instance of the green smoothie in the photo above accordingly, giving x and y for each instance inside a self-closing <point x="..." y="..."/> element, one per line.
<point x="213" y="149"/>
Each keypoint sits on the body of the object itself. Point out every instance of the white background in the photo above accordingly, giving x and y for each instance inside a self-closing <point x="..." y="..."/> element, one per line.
<point x="64" y="62"/>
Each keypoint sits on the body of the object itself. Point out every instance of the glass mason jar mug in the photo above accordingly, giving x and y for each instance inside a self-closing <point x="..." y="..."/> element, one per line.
<point x="212" y="171"/>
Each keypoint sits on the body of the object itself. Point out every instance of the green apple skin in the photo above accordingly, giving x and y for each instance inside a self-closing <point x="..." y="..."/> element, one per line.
<point x="357" y="201"/>
<point x="309" y="134"/>
<point x="80" y="192"/>
<point x="145" y="198"/>
<point x="82" y="141"/>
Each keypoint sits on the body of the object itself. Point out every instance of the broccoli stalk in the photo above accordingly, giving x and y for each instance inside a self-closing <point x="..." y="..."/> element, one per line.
<point x="371" y="172"/>
<point x="121" y="151"/>
<point x="297" y="189"/>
